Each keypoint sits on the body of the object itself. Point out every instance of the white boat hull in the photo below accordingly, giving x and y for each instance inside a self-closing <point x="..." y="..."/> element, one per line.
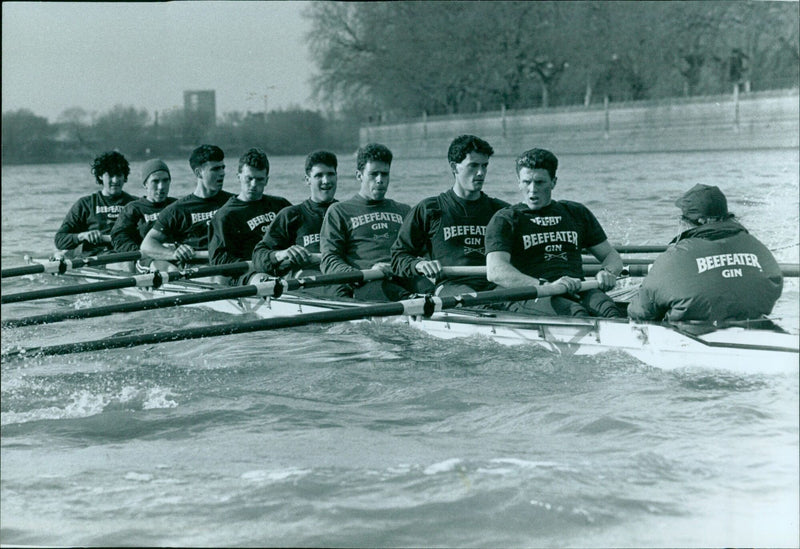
<point x="732" y="349"/>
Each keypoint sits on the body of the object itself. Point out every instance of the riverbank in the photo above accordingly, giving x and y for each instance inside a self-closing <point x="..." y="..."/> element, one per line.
<point x="764" y="120"/>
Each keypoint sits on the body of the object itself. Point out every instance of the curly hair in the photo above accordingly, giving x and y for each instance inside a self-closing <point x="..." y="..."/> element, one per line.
<point x="538" y="158"/>
<point x="462" y="145"/>
<point x="205" y="153"/>
<point x="112" y="163"/>
<point x="372" y="152"/>
<point x="255" y="158"/>
<point x="321" y="157"/>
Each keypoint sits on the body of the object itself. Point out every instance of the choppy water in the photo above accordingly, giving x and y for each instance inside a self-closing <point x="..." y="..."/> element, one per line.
<point x="372" y="434"/>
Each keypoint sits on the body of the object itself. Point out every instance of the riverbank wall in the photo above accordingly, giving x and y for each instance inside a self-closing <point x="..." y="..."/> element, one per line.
<point x="763" y="120"/>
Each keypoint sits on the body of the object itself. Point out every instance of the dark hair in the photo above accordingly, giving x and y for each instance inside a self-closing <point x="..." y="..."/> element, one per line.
<point x="112" y="163"/>
<point x="374" y="152"/>
<point x="255" y="158"/>
<point x="465" y="144"/>
<point x="205" y="153"/>
<point x="538" y="158"/>
<point x="321" y="157"/>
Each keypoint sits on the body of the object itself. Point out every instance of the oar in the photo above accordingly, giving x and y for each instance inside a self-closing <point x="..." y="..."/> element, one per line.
<point x="424" y="306"/>
<point x="61" y="266"/>
<point x="629" y="270"/>
<point x="148" y="280"/>
<point x="637" y="268"/>
<point x="269" y="287"/>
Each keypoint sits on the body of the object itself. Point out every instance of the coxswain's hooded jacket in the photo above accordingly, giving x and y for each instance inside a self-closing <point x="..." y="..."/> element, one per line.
<point x="715" y="272"/>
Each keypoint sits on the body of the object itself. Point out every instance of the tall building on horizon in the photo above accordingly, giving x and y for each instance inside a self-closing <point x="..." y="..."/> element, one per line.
<point x="200" y="112"/>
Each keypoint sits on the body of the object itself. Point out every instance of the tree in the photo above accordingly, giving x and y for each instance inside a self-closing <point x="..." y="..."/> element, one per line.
<point x="123" y="128"/>
<point x="26" y="136"/>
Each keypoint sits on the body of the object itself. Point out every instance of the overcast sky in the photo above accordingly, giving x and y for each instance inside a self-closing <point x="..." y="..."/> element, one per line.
<point x="96" y="55"/>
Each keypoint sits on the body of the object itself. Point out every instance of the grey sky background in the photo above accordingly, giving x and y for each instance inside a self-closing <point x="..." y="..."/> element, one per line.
<point x="95" y="55"/>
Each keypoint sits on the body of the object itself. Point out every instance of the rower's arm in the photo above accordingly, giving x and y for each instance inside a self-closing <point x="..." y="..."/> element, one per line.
<point x="500" y="271"/>
<point x="611" y="264"/>
<point x="73" y="230"/>
<point x="155" y="246"/>
<point x="333" y="243"/>
<point x="608" y="256"/>
<point x="124" y="235"/>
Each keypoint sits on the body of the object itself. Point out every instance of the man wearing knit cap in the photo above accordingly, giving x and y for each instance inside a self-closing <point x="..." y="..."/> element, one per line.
<point x="138" y="216"/>
<point x="713" y="271"/>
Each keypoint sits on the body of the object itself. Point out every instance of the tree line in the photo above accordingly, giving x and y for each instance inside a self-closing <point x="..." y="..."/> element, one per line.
<point x="391" y="60"/>
<point x="79" y="135"/>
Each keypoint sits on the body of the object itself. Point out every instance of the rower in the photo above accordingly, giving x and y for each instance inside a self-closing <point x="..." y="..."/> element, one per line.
<point x="181" y="229"/>
<point x="358" y="233"/>
<point x="138" y="216"/>
<point x="449" y="229"/>
<point x="241" y="223"/>
<point x="88" y="223"/>
<point x="713" y="271"/>
<point x="540" y="240"/>
<point x="291" y="243"/>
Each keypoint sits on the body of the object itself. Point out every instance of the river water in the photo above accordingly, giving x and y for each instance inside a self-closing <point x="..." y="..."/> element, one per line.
<point x="373" y="434"/>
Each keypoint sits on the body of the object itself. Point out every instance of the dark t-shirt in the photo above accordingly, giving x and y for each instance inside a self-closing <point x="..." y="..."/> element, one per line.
<point x="545" y="243"/>
<point x="294" y="225"/>
<point x="93" y="212"/>
<point x="133" y="223"/>
<point x="449" y="229"/>
<point x="185" y="221"/>
<point x="238" y="226"/>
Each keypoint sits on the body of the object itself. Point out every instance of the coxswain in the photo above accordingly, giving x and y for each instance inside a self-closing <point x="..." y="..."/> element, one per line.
<point x="181" y="229"/>
<point x="85" y="230"/>
<point x="540" y="240"/>
<point x="449" y="229"/>
<point x="713" y="271"/>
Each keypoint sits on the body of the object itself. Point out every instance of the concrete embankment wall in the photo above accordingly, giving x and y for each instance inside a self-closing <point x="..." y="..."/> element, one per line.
<point x="752" y="121"/>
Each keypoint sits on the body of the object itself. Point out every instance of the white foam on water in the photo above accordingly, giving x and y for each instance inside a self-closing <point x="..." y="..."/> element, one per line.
<point x="442" y="466"/>
<point x="138" y="477"/>
<point x="260" y="475"/>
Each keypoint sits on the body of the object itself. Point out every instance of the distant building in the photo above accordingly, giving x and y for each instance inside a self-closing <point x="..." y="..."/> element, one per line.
<point x="200" y="113"/>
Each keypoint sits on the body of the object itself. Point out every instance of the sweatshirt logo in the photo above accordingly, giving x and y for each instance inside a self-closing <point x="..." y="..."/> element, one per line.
<point x="726" y="260"/>
<point x="150" y="217"/>
<point x="112" y="211"/>
<point x="463" y="230"/>
<point x="310" y="239"/>
<point x="202" y="216"/>
<point x="546" y="221"/>
<point x="259" y="219"/>
<point x="359" y="220"/>
<point x="535" y="239"/>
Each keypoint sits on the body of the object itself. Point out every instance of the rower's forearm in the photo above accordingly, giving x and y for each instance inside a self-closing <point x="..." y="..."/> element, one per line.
<point x="510" y="278"/>
<point x="156" y="250"/>
<point x="613" y="265"/>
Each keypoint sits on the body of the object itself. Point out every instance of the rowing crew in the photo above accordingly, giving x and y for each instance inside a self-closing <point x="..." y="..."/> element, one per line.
<point x="537" y="241"/>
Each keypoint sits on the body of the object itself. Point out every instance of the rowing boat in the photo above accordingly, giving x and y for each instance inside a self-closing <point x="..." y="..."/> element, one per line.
<point x="747" y="348"/>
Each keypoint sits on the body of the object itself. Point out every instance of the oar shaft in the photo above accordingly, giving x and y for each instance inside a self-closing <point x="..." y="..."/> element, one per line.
<point x="420" y="306"/>
<point x="271" y="287"/>
<point x="63" y="265"/>
<point x="142" y="281"/>
<point x="77" y="289"/>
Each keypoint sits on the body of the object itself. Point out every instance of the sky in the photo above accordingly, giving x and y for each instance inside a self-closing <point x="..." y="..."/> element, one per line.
<point x="96" y="55"/>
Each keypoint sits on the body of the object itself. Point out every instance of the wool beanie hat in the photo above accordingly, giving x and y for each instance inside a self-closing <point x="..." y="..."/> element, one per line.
<point x="152" y="166"/>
